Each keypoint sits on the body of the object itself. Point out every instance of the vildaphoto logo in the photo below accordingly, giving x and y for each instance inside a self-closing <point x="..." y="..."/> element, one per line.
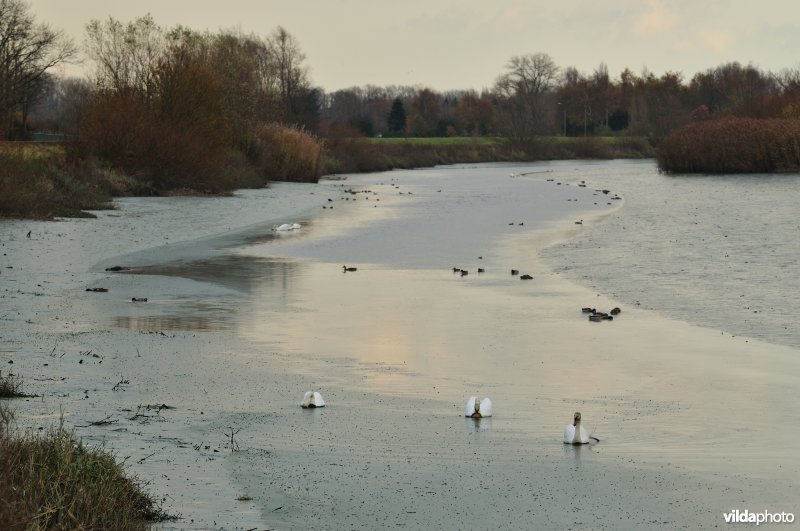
<point x="765" y="517"/>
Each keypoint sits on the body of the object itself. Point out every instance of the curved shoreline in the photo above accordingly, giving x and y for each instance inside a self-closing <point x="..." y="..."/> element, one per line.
<point x="370" y="462"/>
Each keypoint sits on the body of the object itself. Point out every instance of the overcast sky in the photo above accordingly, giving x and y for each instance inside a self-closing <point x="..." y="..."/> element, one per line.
<point x="465" y="44"/>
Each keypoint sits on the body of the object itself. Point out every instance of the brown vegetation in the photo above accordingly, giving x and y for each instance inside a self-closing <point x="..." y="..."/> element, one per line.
<point x="10" y="386"/>
<point x="287" y="154"/>
<point x="46" y="181"/>
<point x="176" y="110"/>
<point x="734" y="145"/>
<point x="56" y="482"/>
<point x="353" y="155"/>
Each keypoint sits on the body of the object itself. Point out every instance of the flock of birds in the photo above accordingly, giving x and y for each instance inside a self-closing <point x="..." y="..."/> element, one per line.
<point x="477" y="409"/>
<point x="596" y="316"/>
<point x="514" y="272"/>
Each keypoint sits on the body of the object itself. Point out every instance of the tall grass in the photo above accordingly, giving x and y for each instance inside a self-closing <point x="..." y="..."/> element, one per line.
<point x="56" y="482"/>
<point x="733" y="145"/>
<point x="45" y="181"/>
<point x="287" y="154"/>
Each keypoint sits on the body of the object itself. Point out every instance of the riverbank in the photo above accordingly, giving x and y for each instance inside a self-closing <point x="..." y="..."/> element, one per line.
<point x="240" y="321"/>
<point x="49" y="180"/>
<point x="359" y="155"/>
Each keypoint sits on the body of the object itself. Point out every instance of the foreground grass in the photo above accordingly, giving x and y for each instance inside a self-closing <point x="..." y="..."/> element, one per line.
<point x="56" y="482"/>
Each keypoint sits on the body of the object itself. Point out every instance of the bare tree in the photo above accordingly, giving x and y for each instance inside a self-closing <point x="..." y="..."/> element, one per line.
<point x="522" y="90"/>
<point x="126" y="55"/>
<point x="27" y="51"/>
<point x="289" y="73"/>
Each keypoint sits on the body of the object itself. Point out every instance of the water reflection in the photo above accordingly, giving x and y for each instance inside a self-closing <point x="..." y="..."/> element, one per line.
<point x="577" y="451"/>
<point x="202" y="305"/>
<point x="235" y="272"/>
<point x="312" y="414"/>
<point x="156" y="323"/>
<point x="478" y="425"/>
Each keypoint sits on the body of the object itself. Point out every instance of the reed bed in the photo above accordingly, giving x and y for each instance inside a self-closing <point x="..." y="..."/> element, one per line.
<point x="733" y="145"/>
<point x="287" y="154"/>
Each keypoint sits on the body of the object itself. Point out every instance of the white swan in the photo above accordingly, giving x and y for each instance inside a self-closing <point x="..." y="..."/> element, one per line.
<point x="478" y="409"/>
<point x="312" y="399"/>
<point x="575" y="433"/>
<point x="286" y="227"/>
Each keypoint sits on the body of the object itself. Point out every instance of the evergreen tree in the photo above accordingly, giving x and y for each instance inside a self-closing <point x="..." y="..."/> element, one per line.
<point x="397" y="117"/>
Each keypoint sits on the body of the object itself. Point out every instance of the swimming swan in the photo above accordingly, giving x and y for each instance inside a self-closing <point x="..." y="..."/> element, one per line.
<point x="478" y="409"/>
<point x="312" y="399"/>
<point x="576" y="434"/>
<point x="286" y="227"/>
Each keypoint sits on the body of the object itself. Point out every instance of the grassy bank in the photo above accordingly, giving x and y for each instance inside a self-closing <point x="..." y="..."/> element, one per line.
<point x="735" y="145"/>
<point x="54" y="481"/>
<point x="47" y="180"/>
<point x="43" y="181"/>
<point x="355" y="155"/>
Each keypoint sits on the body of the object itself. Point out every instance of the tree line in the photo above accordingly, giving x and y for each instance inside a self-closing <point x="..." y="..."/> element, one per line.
<point x="533" y="96"/>
<point x="177" y="107"/>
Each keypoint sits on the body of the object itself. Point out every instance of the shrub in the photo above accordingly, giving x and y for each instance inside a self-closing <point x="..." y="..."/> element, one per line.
<point x="733" y="145"/>
<point x="287" y="154"/>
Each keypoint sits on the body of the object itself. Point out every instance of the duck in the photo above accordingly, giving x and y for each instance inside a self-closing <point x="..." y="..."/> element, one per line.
<point x="312" y="399"/>
<point x="478" y="408"/>
<point x="345" y="269"/>
<point x="575" y="433"/>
